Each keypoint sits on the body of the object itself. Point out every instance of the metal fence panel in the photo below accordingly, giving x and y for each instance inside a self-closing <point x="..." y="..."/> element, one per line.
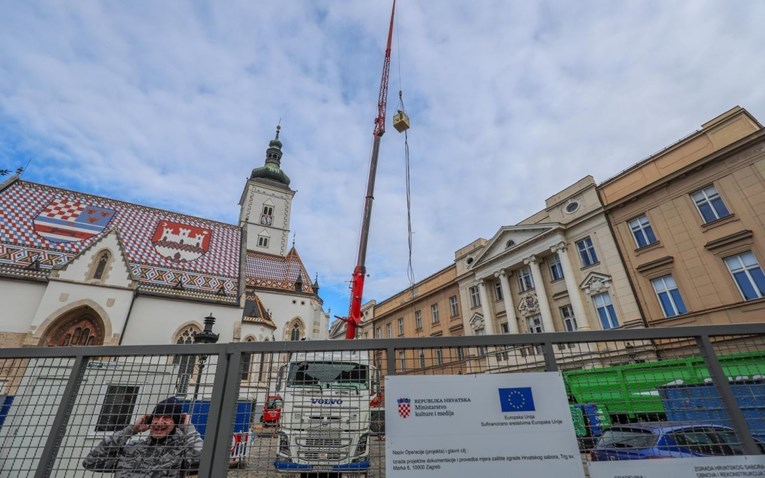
<point x="311" y="409"/>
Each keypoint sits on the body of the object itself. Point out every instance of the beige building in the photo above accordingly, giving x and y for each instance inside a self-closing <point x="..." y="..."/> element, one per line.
<point x="690" y="222"/>
<point x="431" y="308"/>
<point x="558" y="270"/>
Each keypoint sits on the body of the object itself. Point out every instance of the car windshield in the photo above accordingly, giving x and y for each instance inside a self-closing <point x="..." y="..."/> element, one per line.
<point x="274" y="403"/>
<point x="328" y="374"/>
<point x="622" y="438"/>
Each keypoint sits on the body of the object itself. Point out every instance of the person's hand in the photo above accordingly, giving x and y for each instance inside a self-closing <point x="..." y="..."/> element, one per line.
<point x="142" y="424"/>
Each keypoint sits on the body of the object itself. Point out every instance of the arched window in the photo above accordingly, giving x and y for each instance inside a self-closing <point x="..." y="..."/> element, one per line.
<point x="102" y="262"/>
<point x="81" y="326"/>
<point x="295" y="332"/>
<point x="247" y="361"/>
<point x="185" y="362"/>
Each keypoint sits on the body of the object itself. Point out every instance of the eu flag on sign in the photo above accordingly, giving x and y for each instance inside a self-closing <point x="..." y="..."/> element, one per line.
<point x="516" y="399"/>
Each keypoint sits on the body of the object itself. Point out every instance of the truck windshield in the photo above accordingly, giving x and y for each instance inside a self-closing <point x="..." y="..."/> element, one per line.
<point x="274" y="403"/>
<point x="328" y="374"/>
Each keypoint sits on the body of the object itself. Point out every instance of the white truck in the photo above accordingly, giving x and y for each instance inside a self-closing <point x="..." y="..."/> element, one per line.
<point x="325" y="421"/>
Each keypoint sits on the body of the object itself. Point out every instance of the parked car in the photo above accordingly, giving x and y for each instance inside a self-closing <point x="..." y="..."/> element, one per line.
<point x="272" y="411"/>
<point x="638" y="441"/>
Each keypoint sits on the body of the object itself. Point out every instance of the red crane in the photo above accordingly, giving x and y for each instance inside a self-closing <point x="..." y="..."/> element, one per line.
<point x="357" y="285"/>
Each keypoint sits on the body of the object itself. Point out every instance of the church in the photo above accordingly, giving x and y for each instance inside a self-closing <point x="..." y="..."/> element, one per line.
<point x="79" y="269"/>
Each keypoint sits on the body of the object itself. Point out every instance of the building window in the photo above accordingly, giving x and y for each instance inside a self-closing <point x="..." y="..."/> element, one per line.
<point x="534" y="324"/>
<point x="439" y="357"/>
<point x="569" y="321"/>
<point x="504" y="327"/>
<point x="103" y="261"/>
<point x="642" y="231"/>
<point x="263" y="241"/>
<point x="606" y="312"/>
<point x="388" y="330"/>
<point x="418" y="319"/>
<point x="460" y="353"/>
<point x="434" y="313"/>
<point x="117" y="409"/>
<point x="710" y="204"/>
<point x="497" y="290"/>
<point x="402" y="360"/>
<point x="525" y="281"/>
<point x="747" y="274"/>
<point x="587" y="252"/>
<point x="556" y="269"/>
<point x="295" y="332"/>
<point x="669" y="297"/>
<point x="246" y="363"/>
<point x="475" y="297"/>
<point x="454" y="307"/>
<point x="185" y="362"/>
<point x="400" y="326"/>
<point x="378" y="333"/>
<point x="267" y="215"/>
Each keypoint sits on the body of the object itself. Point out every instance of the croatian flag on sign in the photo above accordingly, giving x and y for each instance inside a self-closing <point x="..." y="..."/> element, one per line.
<point x="68" y="220"/>
<point x="404" y="407"/>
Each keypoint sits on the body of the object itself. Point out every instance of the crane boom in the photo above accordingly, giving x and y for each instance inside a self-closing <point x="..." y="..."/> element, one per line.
<point x="357" y="283"/>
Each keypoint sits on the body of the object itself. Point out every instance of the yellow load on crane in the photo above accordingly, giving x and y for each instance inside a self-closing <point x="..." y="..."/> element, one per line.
<point x="400" y="121"/>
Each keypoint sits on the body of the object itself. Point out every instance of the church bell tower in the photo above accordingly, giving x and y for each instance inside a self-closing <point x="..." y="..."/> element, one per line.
<point x="266" y="204"/>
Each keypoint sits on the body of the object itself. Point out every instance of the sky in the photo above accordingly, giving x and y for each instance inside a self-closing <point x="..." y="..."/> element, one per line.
<point x="171" y="104"/>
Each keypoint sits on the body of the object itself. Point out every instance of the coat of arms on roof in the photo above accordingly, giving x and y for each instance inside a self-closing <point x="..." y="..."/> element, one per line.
<point x="68" y="220"/>
<point x="180" y="242"/>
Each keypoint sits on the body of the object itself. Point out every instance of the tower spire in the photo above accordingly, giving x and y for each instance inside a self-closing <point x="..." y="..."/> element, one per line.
<point x="271" y="171"/>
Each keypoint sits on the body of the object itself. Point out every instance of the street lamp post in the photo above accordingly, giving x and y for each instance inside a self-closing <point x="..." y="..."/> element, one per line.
<point x="204" y="337"/>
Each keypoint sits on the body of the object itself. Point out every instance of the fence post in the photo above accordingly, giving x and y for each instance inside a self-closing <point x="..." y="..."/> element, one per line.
<point x="722" y="385"/>
<point x="549" y="352"/>
<point x="216" y="415"/>
<point x="58" y="428"/>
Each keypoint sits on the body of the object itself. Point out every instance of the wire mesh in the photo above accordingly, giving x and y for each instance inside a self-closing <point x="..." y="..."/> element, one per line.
<point x="303" y="412"/>
<point x="128" y="414"/>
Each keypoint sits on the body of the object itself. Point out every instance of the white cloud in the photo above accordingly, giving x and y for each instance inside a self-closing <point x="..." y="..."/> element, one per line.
<point x="172" y="104"/>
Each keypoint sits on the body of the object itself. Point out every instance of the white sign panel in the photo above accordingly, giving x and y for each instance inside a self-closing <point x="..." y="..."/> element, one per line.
<point x="713" y="467"/>
<point x="484" y="426"/>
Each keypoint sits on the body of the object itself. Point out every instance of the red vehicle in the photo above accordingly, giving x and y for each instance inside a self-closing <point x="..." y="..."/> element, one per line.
<point x="272" y="411"/>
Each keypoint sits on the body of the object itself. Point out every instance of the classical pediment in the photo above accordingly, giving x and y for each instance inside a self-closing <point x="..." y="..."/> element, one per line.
<point x="511" y="238"/>
<point x="595" y="283"/>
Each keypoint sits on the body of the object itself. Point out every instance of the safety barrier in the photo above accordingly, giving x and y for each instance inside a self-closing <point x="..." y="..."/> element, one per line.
<point x="272" y="409"/>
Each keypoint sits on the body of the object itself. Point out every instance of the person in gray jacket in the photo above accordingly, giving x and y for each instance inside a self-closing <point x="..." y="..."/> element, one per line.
<point x="172" y="449"/>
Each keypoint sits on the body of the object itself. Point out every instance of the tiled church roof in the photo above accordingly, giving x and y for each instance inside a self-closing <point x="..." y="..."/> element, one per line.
<point x="50" y="226"/>
<point x="276" y="272"/>
<point x="255" y="312"/>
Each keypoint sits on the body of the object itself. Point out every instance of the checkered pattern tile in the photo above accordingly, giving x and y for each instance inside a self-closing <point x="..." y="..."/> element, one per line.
<point x="276" y="272"/>
<point x="22" y="201"/>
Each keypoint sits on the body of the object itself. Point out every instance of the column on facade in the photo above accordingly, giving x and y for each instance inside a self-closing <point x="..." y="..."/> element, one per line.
<point x="507" y="299"/>
<point x="488" y="317"/>
<point x="574" y="295"/>
<point x="539" y="285"/>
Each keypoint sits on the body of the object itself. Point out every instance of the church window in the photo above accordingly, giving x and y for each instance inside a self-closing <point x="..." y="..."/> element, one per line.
<point x="79" y="327"/>
<point x="263" y="241"/>
<point x="185" y="362"/>
<point x="267" y="215"/>
<point x="246" y="362"/>
<point x="102" y="262"/>
<point x="295" y="332"/>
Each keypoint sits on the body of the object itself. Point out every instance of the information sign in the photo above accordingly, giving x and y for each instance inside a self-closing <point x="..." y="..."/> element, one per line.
<point x="496" y="425"/>
<point x="708" y="467"/>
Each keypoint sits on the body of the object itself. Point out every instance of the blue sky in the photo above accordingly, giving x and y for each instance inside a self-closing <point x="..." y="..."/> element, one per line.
<point x="171" y="104"/>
